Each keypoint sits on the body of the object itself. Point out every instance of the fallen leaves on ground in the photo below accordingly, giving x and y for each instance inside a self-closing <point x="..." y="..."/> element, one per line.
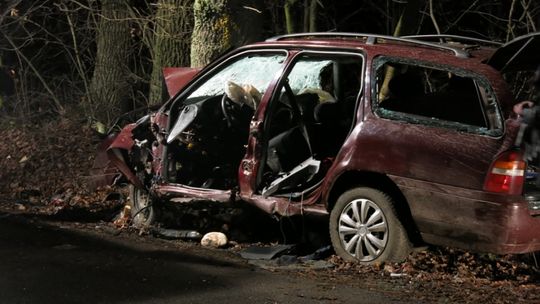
<point x="45" y="167"/>
<point x="456" y="275"/>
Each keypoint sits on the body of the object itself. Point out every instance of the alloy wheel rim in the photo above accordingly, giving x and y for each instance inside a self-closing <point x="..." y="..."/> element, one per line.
<point x="363" y="230"/>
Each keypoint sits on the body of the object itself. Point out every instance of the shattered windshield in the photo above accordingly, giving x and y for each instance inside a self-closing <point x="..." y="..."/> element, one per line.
<point x="254" y="69"/>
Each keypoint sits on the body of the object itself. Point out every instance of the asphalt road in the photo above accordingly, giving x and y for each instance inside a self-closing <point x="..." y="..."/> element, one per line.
<point x="40" y="263"/>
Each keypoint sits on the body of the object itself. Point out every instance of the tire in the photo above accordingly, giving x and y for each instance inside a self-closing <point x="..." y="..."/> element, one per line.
<point x="143" y="211"/>
<point x="376" y="237"/>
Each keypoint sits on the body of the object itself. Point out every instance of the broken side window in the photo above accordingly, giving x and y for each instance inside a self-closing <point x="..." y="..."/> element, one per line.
<point x="435" y="96"/>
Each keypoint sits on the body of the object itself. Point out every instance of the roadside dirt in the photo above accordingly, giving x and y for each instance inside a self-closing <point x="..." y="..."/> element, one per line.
<point x="64" y="263"/>
<point x="433" y="275"/>
<point x="43" y="173"/>
<point x="47" y="163"/>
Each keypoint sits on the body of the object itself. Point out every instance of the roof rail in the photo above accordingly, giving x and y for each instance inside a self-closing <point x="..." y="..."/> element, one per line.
<point x="372" y="39"/>
<point x="454" y="38"/>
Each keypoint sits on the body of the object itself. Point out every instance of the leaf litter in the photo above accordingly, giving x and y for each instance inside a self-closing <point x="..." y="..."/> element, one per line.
<point x="45" y="167"/>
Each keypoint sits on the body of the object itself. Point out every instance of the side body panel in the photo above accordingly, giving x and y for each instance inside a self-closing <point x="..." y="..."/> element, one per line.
<point x="441" y="173"/>
<point x="103" y="171"/>
<point x="124" y="143"/>
<point x="475" y="220"/>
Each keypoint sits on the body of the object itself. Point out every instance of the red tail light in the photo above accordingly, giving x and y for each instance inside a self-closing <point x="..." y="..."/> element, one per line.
<point x="506" y="174"/>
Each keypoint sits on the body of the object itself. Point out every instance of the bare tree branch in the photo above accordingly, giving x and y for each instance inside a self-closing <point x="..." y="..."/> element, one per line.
<point x="77" y="59"/>
<point x="60" y="109"/>
<point x="510" y="26"/>
<point x="8" y="9"/>
<point x="468" y="10"/>
<point x="530" y="19"/>
<point x="432" y="15"/>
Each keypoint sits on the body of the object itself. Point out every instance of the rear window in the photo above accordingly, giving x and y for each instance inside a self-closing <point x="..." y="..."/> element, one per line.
<point x="435" y="96"/>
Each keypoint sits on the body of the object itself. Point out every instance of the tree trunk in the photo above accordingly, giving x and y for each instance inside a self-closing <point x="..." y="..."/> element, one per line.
<point x="211" y="31"/>
<point x="3" y="82"/>
<point x="289" y="16"/>
<point x="109" y="88"/>
<point x="172" y="38"/>
<point x="407" y="25"/>
<point x="221" y="25"/>
<point x="408" y="20"/>
<point x="313" y="16"/>
<point x="307" y="8"/>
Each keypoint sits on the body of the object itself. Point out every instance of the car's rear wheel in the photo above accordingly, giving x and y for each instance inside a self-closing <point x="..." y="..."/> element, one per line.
<point x="143" y="211"/>
<point x="364" y="227"/>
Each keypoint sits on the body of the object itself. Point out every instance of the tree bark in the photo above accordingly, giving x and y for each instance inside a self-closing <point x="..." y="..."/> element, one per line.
<point x="313" y="16"/>
<point x="408" y="20"/>
<point x="289" y="16"/>
<point x="3" y="82"/>
<point x="221" y="25"/>
<point x="407" y="25"/>
<point x="211" y="32"/>
<point x="109" y="88"/>
<point x="307" y="8"/>
<point x="172" y="38"/>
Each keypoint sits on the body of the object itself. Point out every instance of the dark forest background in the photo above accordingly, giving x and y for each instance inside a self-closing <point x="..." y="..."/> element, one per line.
<point x="103" y="58"/>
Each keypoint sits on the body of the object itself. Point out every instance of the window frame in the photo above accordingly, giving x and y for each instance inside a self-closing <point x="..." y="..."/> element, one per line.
<point x="480" y="81"/>
<point x="299" y="55"/>
<point x="215" y="67"/>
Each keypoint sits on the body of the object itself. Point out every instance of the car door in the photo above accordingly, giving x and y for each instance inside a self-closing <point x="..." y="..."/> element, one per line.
<point x="208" y="125"/>
<point x="304" y="125"/>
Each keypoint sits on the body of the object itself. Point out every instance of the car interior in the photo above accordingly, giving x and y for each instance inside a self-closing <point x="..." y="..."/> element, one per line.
<point x="435" y="96"/>
<point x="308" y="123"/>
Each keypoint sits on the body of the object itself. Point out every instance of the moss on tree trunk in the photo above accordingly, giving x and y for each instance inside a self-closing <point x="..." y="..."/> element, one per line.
<point x="222" y="24"/>
<point x="172" y="39"/>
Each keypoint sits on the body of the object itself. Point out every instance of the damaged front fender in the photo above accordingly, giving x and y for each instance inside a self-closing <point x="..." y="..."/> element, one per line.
<point x="119" y="149"/>
<point x="103" y="172"/>
<point x="176" y="78"/>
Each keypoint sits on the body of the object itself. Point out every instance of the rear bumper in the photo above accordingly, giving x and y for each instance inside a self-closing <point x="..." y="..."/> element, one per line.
<point x="473" y="220"/>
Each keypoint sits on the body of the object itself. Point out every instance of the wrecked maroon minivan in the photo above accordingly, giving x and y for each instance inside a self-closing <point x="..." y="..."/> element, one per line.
<point x="396" y="139"/>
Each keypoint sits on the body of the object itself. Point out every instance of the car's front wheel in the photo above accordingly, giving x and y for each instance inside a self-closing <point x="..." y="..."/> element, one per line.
<point x="364" y="227"/>
<point x="143" y="212"/>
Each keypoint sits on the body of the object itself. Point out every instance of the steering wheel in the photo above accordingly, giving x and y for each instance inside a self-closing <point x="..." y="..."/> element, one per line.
<point x="228" y="108"/>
